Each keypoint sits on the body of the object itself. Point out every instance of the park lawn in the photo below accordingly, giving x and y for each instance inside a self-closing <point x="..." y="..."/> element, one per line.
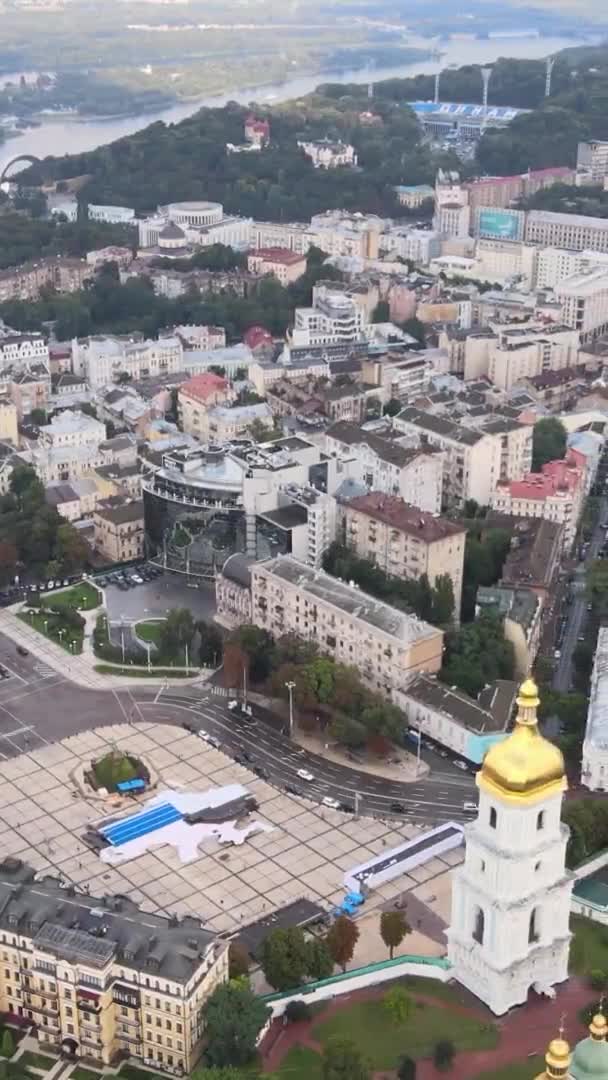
<point x="83" y="597"/>
<point x="522" y="1070"/>
<point x="589" y="948"/>
<point x="150" y="630"/>
<point x="84" y="1074"/>
<point x="143" y="673"/>
<point x="379" y="1038"/>
<point x="37" y="619"/>
<point x="300" y="1063"/>
<point x="131" y="1072"/>
<point x="37" y="1061"/>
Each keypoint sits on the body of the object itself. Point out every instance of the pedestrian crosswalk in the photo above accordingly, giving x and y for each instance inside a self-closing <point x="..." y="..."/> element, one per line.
<point x="44" y="671"/>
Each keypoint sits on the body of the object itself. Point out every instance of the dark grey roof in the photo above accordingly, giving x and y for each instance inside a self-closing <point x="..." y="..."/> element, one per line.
<point x="287" y="517"/>
<point x="171" y="232"/>
<point x="297" y="913"/>
<point x="237" y="568"/>
<point x="71" y="926"/>
<point x="60" y="493"/>
<point x="120" y="513"/>
<point x="490" y="714"/>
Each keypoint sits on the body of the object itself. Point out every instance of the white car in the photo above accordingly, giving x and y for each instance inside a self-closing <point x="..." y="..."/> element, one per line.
<point x="232" y="704"/>
<point x="304" y="774"/>
<point x="470" y="806"/>
<point x="332" y="803"/>
<point x="211" y="739"/>
<point x="460" y="765"/>
<point x="137" y="579"/>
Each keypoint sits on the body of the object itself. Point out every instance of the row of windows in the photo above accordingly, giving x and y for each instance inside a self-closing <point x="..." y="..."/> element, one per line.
<point x="493" y="819"/>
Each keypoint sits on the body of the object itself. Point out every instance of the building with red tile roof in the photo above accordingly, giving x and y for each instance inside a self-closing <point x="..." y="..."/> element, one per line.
<point x="555" y="493"/>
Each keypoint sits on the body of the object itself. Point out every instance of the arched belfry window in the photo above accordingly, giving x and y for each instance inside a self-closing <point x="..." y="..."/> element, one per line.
<point x="533" y="928"/>
<point x="479" y="926"/>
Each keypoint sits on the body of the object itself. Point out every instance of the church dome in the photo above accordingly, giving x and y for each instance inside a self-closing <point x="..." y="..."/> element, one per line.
<point x="590" y="1058"/>
<point x="525" y="766"/>
<point x="557" y="1060"/>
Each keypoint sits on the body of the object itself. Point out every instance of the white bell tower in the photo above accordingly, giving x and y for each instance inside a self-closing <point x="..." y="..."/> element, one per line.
<point x="511" y="896"/>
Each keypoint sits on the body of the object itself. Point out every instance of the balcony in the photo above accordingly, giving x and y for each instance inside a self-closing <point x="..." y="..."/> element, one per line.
<point x="88" y="1040"/>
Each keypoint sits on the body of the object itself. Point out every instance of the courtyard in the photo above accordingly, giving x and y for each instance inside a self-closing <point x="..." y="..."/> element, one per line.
<point x="43" y="816"/>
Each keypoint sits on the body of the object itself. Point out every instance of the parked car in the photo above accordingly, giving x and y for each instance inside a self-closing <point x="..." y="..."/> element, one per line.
<point x="397" y="808"/>
<point x="460" y="765"/>
<point x="232" y="704"/>
<point x="22" y="650"/>
<point x="291" y="790"/>
<point x="260" y="771"/>
<point x="211" y="739"/>
<point x="328" y="801"/>
<point x="471" y="807"/>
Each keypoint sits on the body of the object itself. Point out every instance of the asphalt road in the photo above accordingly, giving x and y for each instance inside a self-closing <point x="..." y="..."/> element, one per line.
<point x="577" y="613"/>
<point x="38" y="707"/>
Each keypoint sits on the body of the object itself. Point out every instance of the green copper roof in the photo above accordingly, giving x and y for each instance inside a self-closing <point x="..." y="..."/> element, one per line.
<point x="590" y="1060"/>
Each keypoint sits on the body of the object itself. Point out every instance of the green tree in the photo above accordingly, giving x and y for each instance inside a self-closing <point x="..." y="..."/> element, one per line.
<point x="177" y="632"/>
<point x="238" y="960"/>
<point x="319" y="961"/>
<point x="392" y="407"/>
<point x="348" y="732"/>
<point x="227" y="1073"/>
<point x="258" y="645"/>
<point x="297" y="1011"/>
<point x="211" y="644"/>
<point x="343" y="1061"/>
<point x="549" y="440"/>
<point x="381" y="312"/>
<point x="398" y="1004"/>
<point x="39" y="417"/>
<point x="285" y="958"/>
<point x="341" y="940"/>
<point x="393" y="928"/>
<point x="442" y="601"/>
<point x="443" y="1054"/>
<point x="233" y="1017"/>
<point x="406" y="1070"/>
<point x="8" y="1044"/>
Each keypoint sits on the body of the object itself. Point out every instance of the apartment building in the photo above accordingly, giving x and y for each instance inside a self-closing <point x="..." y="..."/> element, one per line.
<point x="103" y="359"/>
<point x="584" y="300"/>
<point x="594" y="766"/>
<point x="520" y="352"/>
<point x="9" y="430"/>
<point x="383" y="464"/>
<point x="556" y="493"/>
<point x="326" y="154"/>
<point x="349" y="235"/>
<point x="221" y="424"/>
<point x="19" y="351"/>
<point x="574" y="231"/>
<point x="287" y="266"/>
<point x="592" y="161"/>
<point x="554" y="264"/>
<point x="271" y="234"/>
<point x="468" y="351"/>
<point x="473" y="460"/>
<point x="197" y="396"/>
<point x="397" y="375"/>
<point x="334" y="317"/>
<point x="521" y="610"/>
<point x="27" y="281"/>
<point x="405" y="242"/>
<point x="100" y="978"/>
<point x="387" y="646"/>
<point x="233" y="592"/>
<point x="534" y="558"/>
<point x="72" y="428"/>
<point x="504" y="191"/>
<point x="414" y="195"/>
<point x="119" y="529"/>
<point x="403" y="540"/>
<point x="112" y="215"/>
<point x="29" y="388"/>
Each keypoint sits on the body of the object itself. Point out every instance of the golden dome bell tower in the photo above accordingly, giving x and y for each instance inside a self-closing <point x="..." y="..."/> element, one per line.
<point x="511" y="897"/>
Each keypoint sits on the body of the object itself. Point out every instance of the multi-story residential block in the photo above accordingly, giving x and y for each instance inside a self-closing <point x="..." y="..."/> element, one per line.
<point x="308" y="397"/>
<point x="556" y="389"/>
<point x="233" y="591"/>
<point x="29" y="387"/>
<point x="468" y="351"/>
<point x="574" y="231"/>
<point x="387" y="646"/>
<point x="450" y="718"/>
<point x="555" y="493"/>
<point x="195" y="336"/>
<point x="221" y="424"/>
<point x="521" y="610"/>
<point x="352" y="235"/>
<point x="99" y="977"/>
<point x="75" y="500"/>
<point x="102" y="360"/>
<point x="519" y="352"/>
<point x="584" y="300"/>
<point x="594" y="766"/>
<point x="113" y="215"/>
<point x="554" y="265"/>
<point x="72" y="428"/>
<point x="293" y="236"/>
<point x="534" y="559"/>
<point x="504" y="191"/>
<point x="122" y="256"/>
<point x="119" y="529"/>
<point x="334" y="317"/>
<point x="9" y="423"/>
<point x="27" y="281"/>
<point x="199" y="394"/>
<point x="405" y="242"/>
<point x="592" y="161"/>
<point x="19" y="351"/>
<point x="398" y="376"/>
<point x="403" y="540"/>
<point x="384" y="464"/>
<point x="473" y="460"/>
<point x="326" y="154"/>
<point x="287" y="266"/>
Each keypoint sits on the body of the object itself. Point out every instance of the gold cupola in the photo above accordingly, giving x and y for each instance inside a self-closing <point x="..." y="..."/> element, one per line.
<point x="557" y="1060"/>
<point x="524" y="767"/>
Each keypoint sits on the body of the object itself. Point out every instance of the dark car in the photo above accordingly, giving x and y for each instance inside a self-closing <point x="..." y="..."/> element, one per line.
<point x="260" y="771"/>
<point x="4" y="674"/>
<point x="189" y="725"/>
<point x="291" y="790"/>
<point x="397" y="808"/>
<point x="346" y="808"/>
<point x="22" y="651"/>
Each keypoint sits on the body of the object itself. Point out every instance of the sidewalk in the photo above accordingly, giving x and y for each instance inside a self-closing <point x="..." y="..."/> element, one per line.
<point x="405" y="772"/>
<point x="80" y="669"/>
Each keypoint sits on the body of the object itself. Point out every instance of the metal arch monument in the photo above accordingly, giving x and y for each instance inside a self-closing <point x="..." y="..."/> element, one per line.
<point x="30" y="158"/>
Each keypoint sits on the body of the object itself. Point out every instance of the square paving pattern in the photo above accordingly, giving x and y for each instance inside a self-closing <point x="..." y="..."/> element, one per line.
<point x="43" y="816"/>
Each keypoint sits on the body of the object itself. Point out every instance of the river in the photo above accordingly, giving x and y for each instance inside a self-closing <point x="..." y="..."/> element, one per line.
<point x="69" y="135"/>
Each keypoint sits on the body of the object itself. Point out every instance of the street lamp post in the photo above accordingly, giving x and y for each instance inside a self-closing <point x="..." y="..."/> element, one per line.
<point x="291" y="687"/>
<point x="187" y="660"/>
<point x="61" y="633"/>
<point x="245" y="685"/>
<point x="148" y="649"/>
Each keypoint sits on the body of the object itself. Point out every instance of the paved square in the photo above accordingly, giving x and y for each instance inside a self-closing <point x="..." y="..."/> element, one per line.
<point x="42" y="818"/>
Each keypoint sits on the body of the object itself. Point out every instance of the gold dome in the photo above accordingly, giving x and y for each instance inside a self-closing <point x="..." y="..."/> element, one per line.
<point x="598" y="1027"/>
<point x="525" y="766"/>
<point x="557" y="1060"/>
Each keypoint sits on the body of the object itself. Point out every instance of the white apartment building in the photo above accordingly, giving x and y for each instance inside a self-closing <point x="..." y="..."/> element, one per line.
<point x="398" y="375"/>
<point x="18" y="351"/>
<point x="385" y="465"/>
<point x="326" y="154"/>
<point x="387" y="646"/>
<point x="101" y="360"/>
<point x="320" y="529"/>
<point x="113" y="215"/>
<point x="554" y="265"/>
<point x="574" y="231"/>
<point x="195" y="336"/>
<point x="520" y="352"/>
<point x="220" y="424"/>
<point x="72" y="428"/>
<point x="294" y="237"/>
<point x="592" y="161"/>
<point x="452" y="221"/>
<point x="351" y="235"/>
<point x="474" y="461"/>
<point x="584" y="300"/>
<point x="419" y="245"/>
<point x="594" y="769"/>
<point x="335" y="317"/>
